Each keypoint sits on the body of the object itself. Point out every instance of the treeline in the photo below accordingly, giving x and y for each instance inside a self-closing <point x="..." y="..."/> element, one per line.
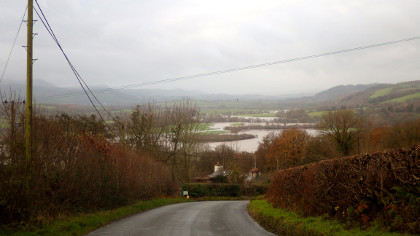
<point x="79" y="163"/>
<point x="236" y="129"/>
<point x="210" y="118"/>
<point x="343" y="133"/>
<point x="224" y="137"/>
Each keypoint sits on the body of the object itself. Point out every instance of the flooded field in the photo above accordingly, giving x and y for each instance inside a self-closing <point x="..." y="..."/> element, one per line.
<point x="249" y="145"/>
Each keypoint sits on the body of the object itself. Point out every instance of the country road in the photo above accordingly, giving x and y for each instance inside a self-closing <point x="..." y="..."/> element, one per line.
<point x="189" y="219"/>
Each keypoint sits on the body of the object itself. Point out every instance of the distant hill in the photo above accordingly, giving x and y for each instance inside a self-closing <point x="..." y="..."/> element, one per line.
<point x="341" y="91"/>
<point x="361" y="94"/>
<point x="45" y="92"/>
<point x="385" y="93"/>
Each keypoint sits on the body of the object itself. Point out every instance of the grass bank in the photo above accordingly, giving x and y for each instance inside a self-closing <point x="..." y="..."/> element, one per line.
<point x="84" y="223"/>
<point x="284" y="222"/>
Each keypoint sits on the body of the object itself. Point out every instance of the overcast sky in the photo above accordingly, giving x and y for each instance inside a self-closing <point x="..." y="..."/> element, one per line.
<point x="118" y="43"/>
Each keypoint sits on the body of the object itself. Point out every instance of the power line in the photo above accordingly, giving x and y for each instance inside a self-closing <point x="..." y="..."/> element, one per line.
<point x="236" y="69"/>
<point x="75" y="72"/>
<point x="13" y="46"/>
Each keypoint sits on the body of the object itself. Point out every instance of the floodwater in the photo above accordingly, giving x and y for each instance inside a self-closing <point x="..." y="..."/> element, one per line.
<point x="249" y="145"/>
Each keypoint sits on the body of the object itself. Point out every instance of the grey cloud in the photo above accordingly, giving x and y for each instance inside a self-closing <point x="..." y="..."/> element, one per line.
<point x="126" y="42"/>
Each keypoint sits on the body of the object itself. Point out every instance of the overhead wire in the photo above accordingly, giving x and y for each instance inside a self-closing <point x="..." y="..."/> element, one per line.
<point x="236" y="69"/>
<point x="13" y="46"/>
<point x="80" y="80"/>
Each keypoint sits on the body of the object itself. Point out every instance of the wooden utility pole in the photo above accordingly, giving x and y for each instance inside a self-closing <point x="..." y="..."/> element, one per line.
<point x="28" y="121"/>
<point x="12" y="130"/>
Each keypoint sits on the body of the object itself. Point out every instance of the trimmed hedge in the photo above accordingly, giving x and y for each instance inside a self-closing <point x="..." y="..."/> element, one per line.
<point x="212" y="190"/>
<point x="380" y="186"/>
<point x="254" y="190"/>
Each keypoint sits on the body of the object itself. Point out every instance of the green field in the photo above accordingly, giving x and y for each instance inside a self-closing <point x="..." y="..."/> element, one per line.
<point x="380" y="93"/>
<point x="260" y="115"/>
<point x="234" y="107"/>
<point x="315" y="114"/>
<point x="205" y="126"/>
<point x="405" y="98"/>
<point x="237" y="124"/>
<point x="405" y="86"/>
<point x="228" y="110"/>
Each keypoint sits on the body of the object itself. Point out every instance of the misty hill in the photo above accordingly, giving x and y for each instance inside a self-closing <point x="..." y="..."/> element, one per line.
<point x="361" y="94"/>
<point x="385" y="94"/>
<point x="341" y="91"/>
<point x="45" y="92"/>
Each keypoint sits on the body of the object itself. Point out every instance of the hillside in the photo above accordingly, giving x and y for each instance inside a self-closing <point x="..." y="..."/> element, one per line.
<point x="340" y="91"/>
<point x="361" y="95"/>
<point x="386" y="94"/>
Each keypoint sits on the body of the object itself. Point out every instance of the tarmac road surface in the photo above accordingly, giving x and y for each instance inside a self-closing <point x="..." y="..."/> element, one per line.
<point x="189" y="219"/>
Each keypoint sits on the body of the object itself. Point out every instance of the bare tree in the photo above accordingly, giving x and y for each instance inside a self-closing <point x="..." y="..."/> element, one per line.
<point x="170" y="132"/>
<point x="145" y="127"/>
<point x="344" y="127"/>
<point x="11" y="122"/>
<point x="181" y="137"/>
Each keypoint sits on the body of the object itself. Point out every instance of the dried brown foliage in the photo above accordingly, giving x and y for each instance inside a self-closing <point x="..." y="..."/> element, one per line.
<point x="73" y="171"/>
<point x="362" y="186"/>
<point x="283" y="150"/>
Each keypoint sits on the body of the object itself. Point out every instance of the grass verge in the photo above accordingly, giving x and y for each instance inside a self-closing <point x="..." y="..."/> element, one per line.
<point x="85" y="223"/>
<point x="282" y="222"/>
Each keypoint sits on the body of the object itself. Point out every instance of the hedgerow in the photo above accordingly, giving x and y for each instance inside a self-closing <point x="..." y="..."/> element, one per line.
<point x="381" y="187"/>
<point x="211" y="190"/>
<point x="73" y="172"/>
